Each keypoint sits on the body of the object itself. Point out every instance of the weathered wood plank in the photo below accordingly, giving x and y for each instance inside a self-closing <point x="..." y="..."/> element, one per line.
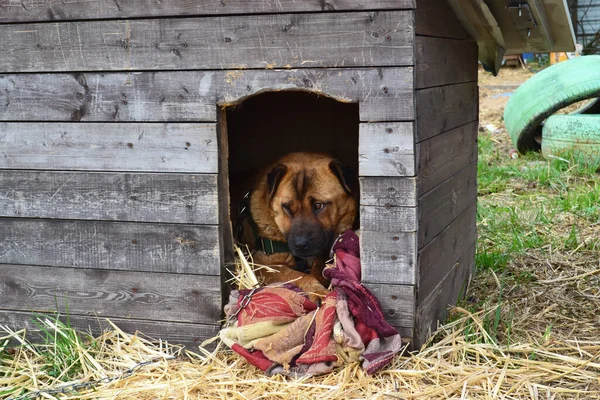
<point x="442" y="204"/>
<point x="444" y="155"/>
<point x="191" y="249"/>
<point x="433" y="310"/>
<point x="190" y="335"/>
<point x="384" y="191"/>
<point x="171" y="198"/>
<point x="238" y="42"/>
<point x="444" y="61"/>
<point x="440" y="255"/>
<point x="442" y="108"/>
<point x="109" y="147"/>
<point x="383" y="93"/>
<point x="125" y="294"/>
<point x="60" y="10"/>
<point x="397" y="303"/>
<point x="436" y="18"/>
<point x="388" y="257"/>
<point x="388" y="219"/>
<point x="386" y="149"/>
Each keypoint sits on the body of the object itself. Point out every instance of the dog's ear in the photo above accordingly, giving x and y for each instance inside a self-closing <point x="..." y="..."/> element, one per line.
<point x="344" y="174"/>
<point x="274" y="177"/>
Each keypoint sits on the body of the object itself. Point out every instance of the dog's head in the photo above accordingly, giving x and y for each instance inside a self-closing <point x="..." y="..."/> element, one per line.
<point x="311" y="200"/>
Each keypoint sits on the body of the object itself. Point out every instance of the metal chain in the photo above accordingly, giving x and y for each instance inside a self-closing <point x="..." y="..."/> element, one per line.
<point x="245" y="301"/>
<point x="74" y="388"/>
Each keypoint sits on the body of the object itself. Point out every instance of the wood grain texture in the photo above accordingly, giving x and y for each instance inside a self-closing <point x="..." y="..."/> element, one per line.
<point x="386" y="149"/>
<point x="440" y="255"/>
<point x="189" y="335"/>
<point x="388" y="257"/>
<point x="383" y="93"/>
<point x="388" y="219"/>
<point x="444" y="61"/>
<point x="190" y="249"/>
<point x="397" y="303"/>
<point x="60" y="10"/>
<point x="432" y="311"/>
<point x="384" y="191"/>
<point x="171" y="198"/>
<point x="436" y="18"/>
<point x="109" y="147"/>
<point x="442" y="204"/>
<point x="442" y="108"/>
<point x="124" y="294"/>
<point x="232" y="42"/>
<point x="444" y="155"/>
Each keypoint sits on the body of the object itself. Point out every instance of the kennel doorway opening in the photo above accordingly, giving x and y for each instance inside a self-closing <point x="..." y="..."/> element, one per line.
<point x="264" y="127"/>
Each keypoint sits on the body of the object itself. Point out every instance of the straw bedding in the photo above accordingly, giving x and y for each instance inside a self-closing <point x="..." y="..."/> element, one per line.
<point x="464" y="360"/>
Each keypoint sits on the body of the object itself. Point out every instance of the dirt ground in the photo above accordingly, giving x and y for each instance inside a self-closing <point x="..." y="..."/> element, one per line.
<point x="492" y="99"/>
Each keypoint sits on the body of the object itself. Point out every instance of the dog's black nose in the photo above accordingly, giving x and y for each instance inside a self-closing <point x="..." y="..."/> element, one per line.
<point x="301" y="243"/>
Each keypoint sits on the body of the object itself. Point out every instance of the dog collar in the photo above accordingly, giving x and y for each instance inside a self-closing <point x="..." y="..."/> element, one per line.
<point x="267" y="246"/>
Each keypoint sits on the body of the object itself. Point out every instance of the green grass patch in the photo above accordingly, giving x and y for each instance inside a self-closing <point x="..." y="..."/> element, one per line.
<point x="62" y="348"/>
<point x="532" y="203"/>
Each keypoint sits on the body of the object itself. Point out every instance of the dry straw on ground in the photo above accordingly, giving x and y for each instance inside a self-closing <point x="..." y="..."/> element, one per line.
<point x="463" y="360"/>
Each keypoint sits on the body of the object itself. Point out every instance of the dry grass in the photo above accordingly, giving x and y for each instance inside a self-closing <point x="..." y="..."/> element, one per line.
<point x="466" y="359"/>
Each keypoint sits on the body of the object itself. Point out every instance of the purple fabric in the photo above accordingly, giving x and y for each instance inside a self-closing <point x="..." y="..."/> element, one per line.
<point x="362" y="304"/>
<point x="346" y="274"/>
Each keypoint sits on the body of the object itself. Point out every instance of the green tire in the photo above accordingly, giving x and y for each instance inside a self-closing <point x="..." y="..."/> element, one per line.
<point x="564" y="134"/>
<point x="545" y="93"/>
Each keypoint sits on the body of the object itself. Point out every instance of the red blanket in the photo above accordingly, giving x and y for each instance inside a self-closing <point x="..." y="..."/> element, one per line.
<point x="280" y="331"/>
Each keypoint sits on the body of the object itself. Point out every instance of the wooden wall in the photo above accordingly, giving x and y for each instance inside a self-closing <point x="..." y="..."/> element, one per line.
<point x="446" y="100"/>
<point x="112" y="156"/>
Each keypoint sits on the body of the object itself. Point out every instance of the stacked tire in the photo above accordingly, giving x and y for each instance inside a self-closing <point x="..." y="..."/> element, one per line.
<point x="529" y="118"/>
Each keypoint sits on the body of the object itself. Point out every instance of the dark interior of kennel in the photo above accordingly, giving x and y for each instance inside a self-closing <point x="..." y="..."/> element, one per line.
<point x="269" y="125"/>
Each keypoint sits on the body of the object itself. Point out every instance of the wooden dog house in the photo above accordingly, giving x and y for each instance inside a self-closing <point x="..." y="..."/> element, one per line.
<point x="116" y="123"/>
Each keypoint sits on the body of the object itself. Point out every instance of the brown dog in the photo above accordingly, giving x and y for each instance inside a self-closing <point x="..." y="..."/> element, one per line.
<point x="298" y="206"/>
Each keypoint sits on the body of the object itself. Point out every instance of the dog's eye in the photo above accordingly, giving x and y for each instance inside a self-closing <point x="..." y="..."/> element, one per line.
<point x="318" y="206"/>
<point x="286" y="208"/>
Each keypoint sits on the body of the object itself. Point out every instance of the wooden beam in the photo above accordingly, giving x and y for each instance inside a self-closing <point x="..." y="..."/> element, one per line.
<point x="440" y="255"/>
<point x="139" y="197"/>
<point x="442" y="108"/>
<point x="234" y="42"/>
<point x="178" y="333"/>
<point x="60" y="10"/>
<point x="388" y="257"/>
<point x="388" y="191"/>
<point x="432" y="311"/>
<point x="388" y="219"/>
<point x="128" y="246"/>
<point x="444" y="155"/>
<point x="442" y="204"/>
<point x="122" y="294"/>
<point x="384" y="94"/>
<point x="436" y="18"/>
<point x="397" y="303"/>
<point x="109" y="147"/>
<point x="386" y="149"/>
<point x="442" y="61"/>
